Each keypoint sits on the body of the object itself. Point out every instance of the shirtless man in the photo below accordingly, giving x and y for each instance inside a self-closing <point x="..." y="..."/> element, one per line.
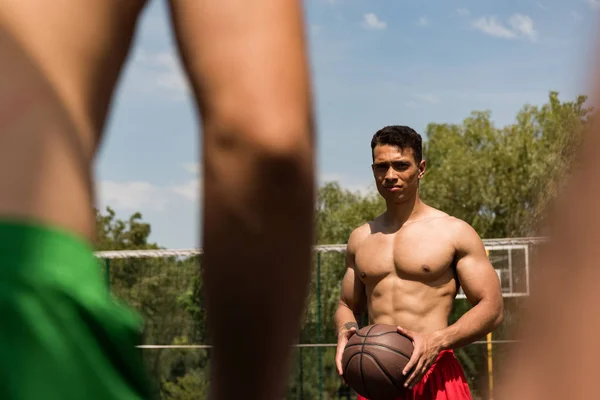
<point x="61" y="336"/>
<point x="404" y="269"/>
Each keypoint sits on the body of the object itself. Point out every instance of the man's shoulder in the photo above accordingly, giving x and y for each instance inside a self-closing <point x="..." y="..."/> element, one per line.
<point x="444" y="220"/>
<point x="462" y="233"/>
<point x="452" y="222"/>
<point x="460" y="226"/>
<point x="361" y="233"/>
<point x="459" y="230"/>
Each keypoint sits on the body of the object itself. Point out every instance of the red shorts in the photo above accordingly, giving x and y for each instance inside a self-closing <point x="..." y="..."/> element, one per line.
<point x="445" y="380"/>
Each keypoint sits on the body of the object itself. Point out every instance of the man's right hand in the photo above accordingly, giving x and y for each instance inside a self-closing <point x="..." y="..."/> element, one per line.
<point x="343" y="338"/>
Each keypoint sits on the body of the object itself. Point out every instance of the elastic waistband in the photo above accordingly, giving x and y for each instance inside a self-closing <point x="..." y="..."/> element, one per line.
<point x="28" y="247"/>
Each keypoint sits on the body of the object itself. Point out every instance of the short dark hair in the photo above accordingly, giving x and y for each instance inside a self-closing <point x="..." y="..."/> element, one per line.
<point x="399" y="136"/>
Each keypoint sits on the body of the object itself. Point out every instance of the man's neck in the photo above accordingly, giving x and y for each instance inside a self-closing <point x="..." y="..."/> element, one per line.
<point x="398" y="214"/>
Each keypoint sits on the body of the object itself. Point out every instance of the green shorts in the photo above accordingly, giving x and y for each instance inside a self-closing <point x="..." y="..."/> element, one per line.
<point x="61" y="335"/>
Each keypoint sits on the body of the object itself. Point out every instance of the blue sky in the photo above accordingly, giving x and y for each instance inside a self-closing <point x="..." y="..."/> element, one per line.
<point x="374" y="63"/>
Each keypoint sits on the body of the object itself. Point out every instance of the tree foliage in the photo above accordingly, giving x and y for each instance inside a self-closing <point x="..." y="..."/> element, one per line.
<point x="167" y="293"/>
<point x="500" y="180"/>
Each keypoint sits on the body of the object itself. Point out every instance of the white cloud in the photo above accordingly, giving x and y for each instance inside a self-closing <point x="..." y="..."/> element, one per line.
<point x="189" y="190"/>
<point x="371" y="21"/>
<point x="423" y="21"/>
<point x="520" y="26"/>
<point x="131" y="196"/>
<point x="141" y="195"/>
<point x="463" y="12"/>
<point x="192" y="168"/>
<point x="492" y="27"/>
<point x="594" y="4"/>
<point x="174" y="210"/>
<point x="524" y="25"/>
<point x="348" y="183"/>
<point x="161" y="71"/>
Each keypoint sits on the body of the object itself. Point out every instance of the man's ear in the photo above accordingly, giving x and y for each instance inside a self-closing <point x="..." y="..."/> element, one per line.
<point x="422" y="168"/>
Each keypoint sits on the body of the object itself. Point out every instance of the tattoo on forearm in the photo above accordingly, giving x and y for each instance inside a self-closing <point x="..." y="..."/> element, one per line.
<point x="350" y="325"/>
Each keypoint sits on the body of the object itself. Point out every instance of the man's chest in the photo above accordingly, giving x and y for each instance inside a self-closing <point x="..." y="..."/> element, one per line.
<point x="417" y="257"/>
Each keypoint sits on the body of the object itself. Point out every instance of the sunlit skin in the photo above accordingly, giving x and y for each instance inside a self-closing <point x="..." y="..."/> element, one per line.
<point x="247" y="65"/>
<point x="404" y="266"/>
<point x="558" y="356"/>
<point x="397" y="174"/>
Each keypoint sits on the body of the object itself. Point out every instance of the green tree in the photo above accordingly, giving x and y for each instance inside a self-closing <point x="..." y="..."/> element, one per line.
<point x="500" y="180"/>
<point x="165" y="292"/>
<point x="115" y="234"/>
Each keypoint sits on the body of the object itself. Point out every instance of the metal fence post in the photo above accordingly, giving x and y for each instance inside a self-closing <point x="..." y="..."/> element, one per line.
<point x="319" y="338"/>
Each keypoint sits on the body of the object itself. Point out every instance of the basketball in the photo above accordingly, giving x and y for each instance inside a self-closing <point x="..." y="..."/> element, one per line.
<point x="373" y="360"/>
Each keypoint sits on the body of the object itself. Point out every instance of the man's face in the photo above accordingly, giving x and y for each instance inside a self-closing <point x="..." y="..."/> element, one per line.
<point x="396" y="173"/>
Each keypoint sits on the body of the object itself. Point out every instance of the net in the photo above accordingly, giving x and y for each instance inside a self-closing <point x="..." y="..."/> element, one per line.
<point x="165" y="286"/>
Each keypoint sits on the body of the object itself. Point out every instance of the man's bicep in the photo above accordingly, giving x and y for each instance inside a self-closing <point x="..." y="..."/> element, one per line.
<point x="353" y="290"/>
<point x="352" y="294"/>
<point x="475" y="272"/>
<point x="347" y="293"/>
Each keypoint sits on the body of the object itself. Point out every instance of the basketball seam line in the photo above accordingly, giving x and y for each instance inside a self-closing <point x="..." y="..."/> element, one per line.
<point x="379" y="345"/>
<point x="362" y="376"/>
<point x="385" y="371"/>
<point x="378" y="334"/>
<point x="348" y="363"/>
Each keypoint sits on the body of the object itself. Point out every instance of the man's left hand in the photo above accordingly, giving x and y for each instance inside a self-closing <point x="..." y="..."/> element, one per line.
<point x="427" y="346"/>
